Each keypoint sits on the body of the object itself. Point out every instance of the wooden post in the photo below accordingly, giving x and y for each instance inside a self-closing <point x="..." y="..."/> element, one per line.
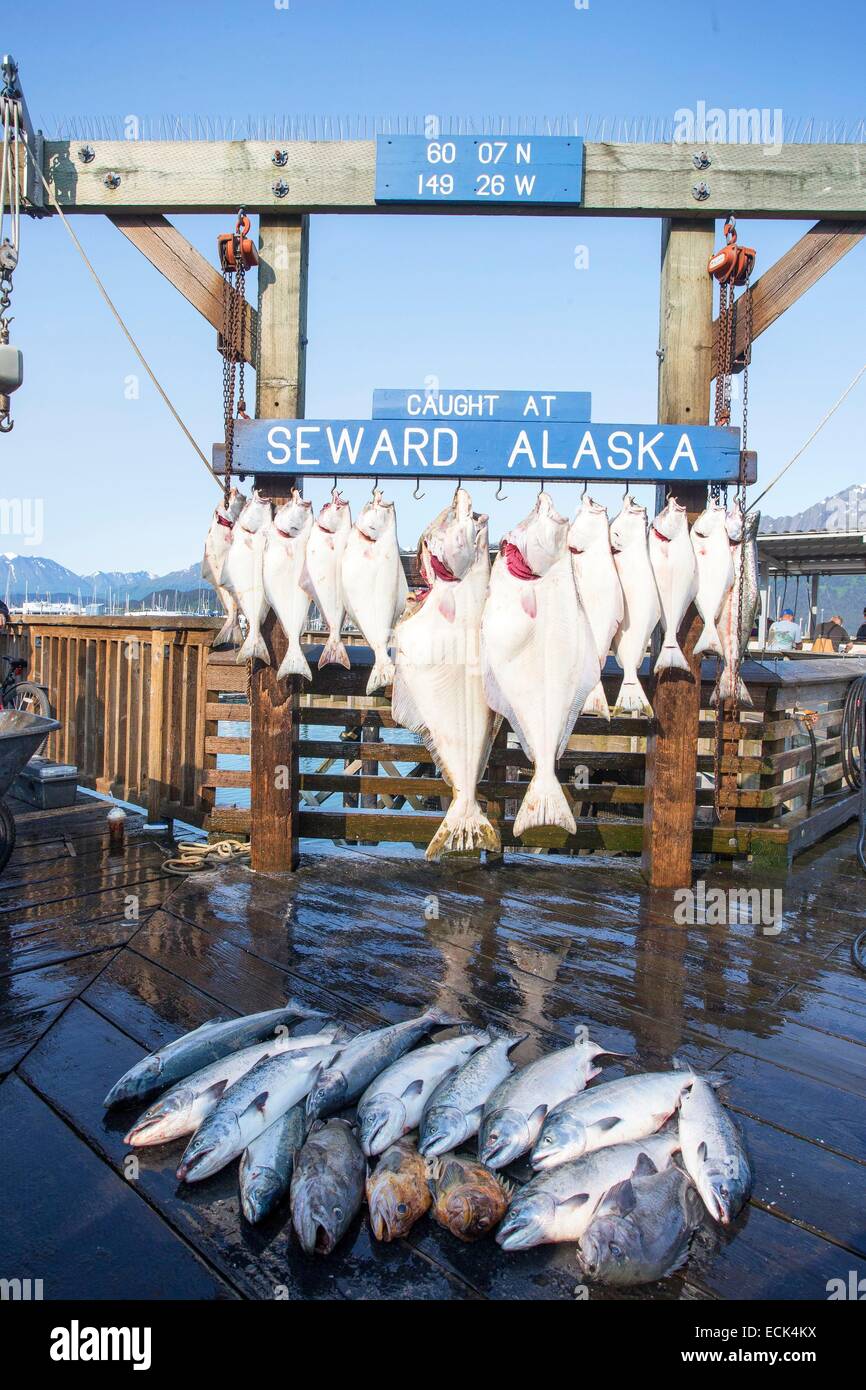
<point x="685" y="372"/>
<point x="275" y="705"/>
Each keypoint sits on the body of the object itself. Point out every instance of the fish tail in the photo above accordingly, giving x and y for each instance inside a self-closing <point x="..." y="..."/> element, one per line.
<point x="709" y="641"/>
<point x="294" y="663"/>
<point x="334" y="653"/>
<point x="544" y="804"/>
<point x="670" y="658"/>
<point x="725" y="690"/>
<point x="381" y="675"/>
<point x="229" y="635"/>
<point x="464" y="831"/>
<point x="632" y="700"/>
<point x="596" y="703"/>
<point x="254" y="649"/>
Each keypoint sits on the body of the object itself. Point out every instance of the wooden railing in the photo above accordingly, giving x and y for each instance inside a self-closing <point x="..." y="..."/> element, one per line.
<point x="151" y="715"/>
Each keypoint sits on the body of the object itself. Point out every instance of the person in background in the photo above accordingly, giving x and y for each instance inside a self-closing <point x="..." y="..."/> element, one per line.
<point x="784" y="634"/>
<point x="861" y="631"/>
<point x="834" y="632"/>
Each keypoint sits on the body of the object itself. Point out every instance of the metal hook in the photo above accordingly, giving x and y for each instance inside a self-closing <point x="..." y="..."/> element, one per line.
<point x="415" y="493"/>
<point x="375" y="486"/>
<point x="585" y="486"/>
<point x="499" y="495"/>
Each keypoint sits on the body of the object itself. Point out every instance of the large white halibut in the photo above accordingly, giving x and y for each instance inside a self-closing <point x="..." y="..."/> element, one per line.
<point x="374" y="583"/>
<point x="284" y="571"/>
<point x="325" y="549"/>
<point x="712" y="547"/>
<point x="437" y="690"/>
<point x="216" y="548"/>
<point x="641" y="608"/>
<point x="538" y="657"/>
<point x="673" y="561"/>
<point x="598" y="586"/>
<point x="243" y="573"/>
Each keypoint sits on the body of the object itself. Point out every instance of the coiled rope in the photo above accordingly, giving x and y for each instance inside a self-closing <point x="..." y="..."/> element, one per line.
<point x="194" y="856"/>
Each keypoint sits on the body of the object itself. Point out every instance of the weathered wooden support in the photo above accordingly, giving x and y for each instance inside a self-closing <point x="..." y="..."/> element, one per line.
<point x="784" y="283"/>
<point x="685" y="370"/>
<point x="186" y="269"/>
<point x="280" y="383"/>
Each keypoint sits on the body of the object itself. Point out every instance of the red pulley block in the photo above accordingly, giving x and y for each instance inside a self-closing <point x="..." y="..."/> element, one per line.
<point x="733" y="264"/>
<point x="236" y="247"/>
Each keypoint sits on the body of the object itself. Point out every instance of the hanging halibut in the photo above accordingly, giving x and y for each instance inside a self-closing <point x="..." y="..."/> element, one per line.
<point x="641" y="608"/>
<point x="598" y="586"/>
<point x="735" y="626"/>
<point x="712" y="547"/>
<point x="325" y="549"/>
<point x="284" y="570"/>
<point x="437" y="690"/>
<point x="539" y="661"/>
<point x="374" y="584"/>
<point x="216" y="548"/>
<point x="243" y="573"/>
<point x="673" y="562"/>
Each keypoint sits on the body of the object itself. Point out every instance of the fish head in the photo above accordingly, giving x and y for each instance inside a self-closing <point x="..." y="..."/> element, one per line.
<point x="711" y="519"/>
<point x="562" y="1139"/>
<point x="328" y="1094"/>
<point x="734" y="524"/>
<point x="629" y="528"/>
<point x="256" y="514"/>
<point x="753" y="521"/>
<point x="671" y="521"/>
<point x="454" y="540"/>
<point x="396" y="1198"/>
<point x="589" y="526"/>
<point x="260" y="1192"/>
<point x="470" y="1209"/>
<point x="722" y="1185"/>
<point x="377" y="517"/>
<point x="157" y="1124"/>
<point x="530" y="1220"/>
<point x="380" y="1123"/>
<point x="232" y="509"/>
<point x="292" y="518"/>
<point x="318" y="1217"/>
<point x="504" y="1136"/>
<point x="139" y="1081"/>
<point x="335" y="514"/>
<point x="206" y="1151"/>
<point x="541" y="536"/>
<point x="442" y="1128"/>
<point x="611" y="1251"/>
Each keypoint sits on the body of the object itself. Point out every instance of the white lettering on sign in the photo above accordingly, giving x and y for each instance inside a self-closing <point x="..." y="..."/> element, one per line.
<point x="684" y="450"/>
<point x="442" y="434"/>
<point x="587" y="446"/>
<point x="279" y="437"/>
<point x="624" y="449"/>
<point x="343" y="443"/>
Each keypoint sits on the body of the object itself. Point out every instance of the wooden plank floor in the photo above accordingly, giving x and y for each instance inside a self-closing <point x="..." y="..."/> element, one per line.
<point x="105" y="958"/>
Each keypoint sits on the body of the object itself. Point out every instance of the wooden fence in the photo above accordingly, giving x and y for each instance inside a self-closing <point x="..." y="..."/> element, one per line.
<point x="151" y="715"/>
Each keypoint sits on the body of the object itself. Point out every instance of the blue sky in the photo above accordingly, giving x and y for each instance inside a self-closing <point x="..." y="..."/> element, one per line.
<point x="475" y="301"/>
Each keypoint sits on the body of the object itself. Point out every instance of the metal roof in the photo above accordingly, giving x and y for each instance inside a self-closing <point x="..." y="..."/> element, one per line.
<point x="813" y="552"/>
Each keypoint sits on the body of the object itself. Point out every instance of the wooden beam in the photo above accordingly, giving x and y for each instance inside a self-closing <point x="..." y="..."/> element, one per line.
<point x="184" y="267"/>
<point x="685" y="367"/>
<point x="275" y="717"/>
<point x="793" y="274"/>
<point x="800" y="181"/>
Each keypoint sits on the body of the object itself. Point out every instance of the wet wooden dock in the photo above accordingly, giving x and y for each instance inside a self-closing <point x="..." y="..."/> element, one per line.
<point x="105" y="958"/>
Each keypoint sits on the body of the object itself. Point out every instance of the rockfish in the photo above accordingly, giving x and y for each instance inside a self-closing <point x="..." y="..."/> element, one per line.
<point x="675" y="569"/>
<point x="438" y="691"/>
<point x="560" y="1205"/>
<point x="598" y="586"/>
<point x="364" y="1057"/>
<point x="734" y="632"/>
<point x="393" y="1104"/>
<point x="374" y="583"/>
<point x="243" y="573"/>
<point x="642" y="1229"/>
<point x="216" y="548"/>
<point x="454" y="1110"/>
<point x="538" y="657"/>
<point x="398" y="1193"/>
<point x="268" y="1163"/>
<point x="641" y="607"/>
<point x="714" y="1153"/>
<point x="325" y="548"/>
<point x="468" y="1200"/>
<point x="712" y="547"/>
<point x="516" y="1110"/>
<point x="327" y="1186"/>
<point x="284" y="574"/>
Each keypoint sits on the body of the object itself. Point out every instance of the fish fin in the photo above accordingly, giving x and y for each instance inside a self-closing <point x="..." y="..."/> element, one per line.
<point x="258" y="1103"/>
<point x="441" y="1019"/>
<point x="447" y="606"/>
<point x="229" y="635"/>
<point x="609" y="1122"/>
<point x="334" y="654"/>
<point x="464" y="833"/>
<point x="709" y="641"/>
<point x="716" y="1079"/>
<point x="632" y="700"/>
<point x="217" y="1088"/>
<point x="618" y="1200"/>
<point x="544" y="804"/>
<point x="596" y="703"/>
<point x="702" y="1152"/>
<point x="343" y="1034"/>
<point x="725" y="690"/>
<point x="497" y="701"/>
<point x="678" y="1064"/>
<point x="294" y="663"/>
<point x="644" y="1167"/>
<point x="670" y="658"/>
<point x="538" y="1114"/>
<point x="254" y="650"/>
<point x="381" y="675"/>
<point x="473" y="1117"/>
<point x="449" y="1172"/>
<point x="415" y="1088"/>
<point x="574" y="1203"/>
<point x="498" y="1034"/>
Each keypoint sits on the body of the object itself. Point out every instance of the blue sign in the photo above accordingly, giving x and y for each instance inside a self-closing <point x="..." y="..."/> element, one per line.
<point x="560" y="450"/>
<point x="485" y="170"/>
<point x="463" y="403"/>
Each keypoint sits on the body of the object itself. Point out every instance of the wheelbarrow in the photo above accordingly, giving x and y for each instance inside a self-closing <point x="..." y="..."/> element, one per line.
<point x="21" y="737"/>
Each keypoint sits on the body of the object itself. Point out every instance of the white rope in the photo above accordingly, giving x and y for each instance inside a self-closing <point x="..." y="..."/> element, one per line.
<point x="804" y="447"/>
<point x="105" y="295"/>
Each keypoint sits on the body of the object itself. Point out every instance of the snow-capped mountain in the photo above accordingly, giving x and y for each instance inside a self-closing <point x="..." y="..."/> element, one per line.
<point x="844" y="512"/>
<point x="37" y="577"/>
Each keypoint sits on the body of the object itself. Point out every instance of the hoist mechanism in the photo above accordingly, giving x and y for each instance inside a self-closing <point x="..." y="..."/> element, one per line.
<point x="734" y="263"/>
<point x="237" y="255"/>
